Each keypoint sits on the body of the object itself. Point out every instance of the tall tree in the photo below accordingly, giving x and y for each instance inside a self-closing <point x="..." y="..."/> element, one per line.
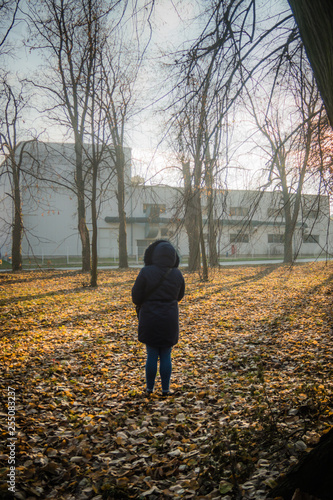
<point x="288" y="123"/>
<point x="322" y="152"/>
<point x="315" y="24"/>
<point x="210" y="184"/>
<point x="121" y="61"/>
<point x="235" y="29"/>
<point x="68" y="33"/>
<point x="198" y="143"/>
<point x="192" y="214"/>
<point x="8" y="15"/>
<point x="116" y="116"/>
<point x="13" y="104"/>
<point x="84" y="39"/>
<point x="96" y="153"/>
<point x="202" y="107"/>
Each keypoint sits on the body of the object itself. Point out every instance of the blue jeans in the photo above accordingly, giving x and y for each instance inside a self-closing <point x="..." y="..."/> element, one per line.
<point x="153" y="353"/>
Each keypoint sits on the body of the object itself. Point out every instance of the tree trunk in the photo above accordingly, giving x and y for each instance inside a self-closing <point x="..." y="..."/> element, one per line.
<point x="287" y="209"/>
<point x="85" y="238"/>
<point x="288" y="244"/>
<point x="212" y="244"/>
<point x="314" y="20"/>
<point x="198" y="212"/>
<point x="292" y="203"/>
<point x="81" y="210"/>
<point x="192" y="226"/>
<point x="17" y="224"/>
<point x="120" y="167"/>
<point x="191" y="222"/>
<point x="94" y="253"/>
<point x="203" y="250"/>
<point x="312" y="475"/>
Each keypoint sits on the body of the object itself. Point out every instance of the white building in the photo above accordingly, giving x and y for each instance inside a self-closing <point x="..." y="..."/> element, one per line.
<point x="249" y="223"/>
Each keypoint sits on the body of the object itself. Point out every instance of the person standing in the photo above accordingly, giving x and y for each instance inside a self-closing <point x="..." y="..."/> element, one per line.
<point x="157" y="290"/>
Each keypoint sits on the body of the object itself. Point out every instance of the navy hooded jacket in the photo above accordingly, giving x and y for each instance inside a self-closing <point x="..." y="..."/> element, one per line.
<point x="159" y="317"/>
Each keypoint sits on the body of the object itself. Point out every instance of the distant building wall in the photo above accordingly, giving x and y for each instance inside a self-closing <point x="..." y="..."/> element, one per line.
<point x="247" y="222"/>
<point x="6" y="217"/>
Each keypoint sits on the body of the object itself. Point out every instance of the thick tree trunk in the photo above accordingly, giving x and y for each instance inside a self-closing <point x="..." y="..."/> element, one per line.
<point x="312" y="475"/>
<point x="85" y="239"/>
<point x="212" y="244"/>
<point x="289" y="220"/>
<point x="81" y="209"/>
<point x="194" y="250"/>
<point x="84" y="233"/>
<point x="191" y="221"/>
<point x="94" y="253"/>
<point x="203" y="250"/>
<point x="213" y="257"/>
<point x="288" y="246"/>
<point x="17" y="224"/>
<point x="315" y="23"/>
<point x="192" y="226"/>
<point x="288" y="241"/>
<point x="120" y="167"/>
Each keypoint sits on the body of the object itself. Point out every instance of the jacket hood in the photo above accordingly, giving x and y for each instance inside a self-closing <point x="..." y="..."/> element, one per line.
<point x="164" y="255"/>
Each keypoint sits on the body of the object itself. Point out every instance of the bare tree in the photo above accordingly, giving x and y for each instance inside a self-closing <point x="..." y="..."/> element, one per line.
<point x="210" y="183"/>
<point x="115" y="105"/>
<point x="82" y="39"/>
<point x="241" y="42"/>
<point x="201" y="110"/>
<point x="322" y="152"/>
<point x="288" y="124"/>
<point x="233" y="29"/>
<point x="8" y="15"/>
<point x="96" y="155"/>
<point x="121" y="63"/>
<point x="315" y="24"/>
<point x="13" y="104"/>
<point x="68" y="33"/>
<point x="198" y="153"/>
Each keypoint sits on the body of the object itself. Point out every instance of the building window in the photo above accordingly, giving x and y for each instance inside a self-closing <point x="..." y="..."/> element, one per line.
<point x="275" y="238"/>
<point x="239" y="238"/>
<point x="142" y="245"/>
<point x="310" y="238"/>
<point x="274" y="212"/>
<point x="153" y="210"/>
<point x="311" y="214"/>
<point x="239" y="211"/>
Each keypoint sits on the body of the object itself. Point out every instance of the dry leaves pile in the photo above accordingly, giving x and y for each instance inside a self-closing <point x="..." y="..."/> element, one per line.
<point x="252" y="377"/>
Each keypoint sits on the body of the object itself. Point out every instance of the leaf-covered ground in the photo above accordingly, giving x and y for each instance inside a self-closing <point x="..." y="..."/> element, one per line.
<point x="252" y="381"/>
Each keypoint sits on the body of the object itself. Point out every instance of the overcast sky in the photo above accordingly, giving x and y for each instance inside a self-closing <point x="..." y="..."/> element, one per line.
<point x="174" y="25"/>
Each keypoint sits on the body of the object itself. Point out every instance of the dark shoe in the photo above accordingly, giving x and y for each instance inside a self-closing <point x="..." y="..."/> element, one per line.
<point x="166" y="394"/>
<point x="148" y="392"/>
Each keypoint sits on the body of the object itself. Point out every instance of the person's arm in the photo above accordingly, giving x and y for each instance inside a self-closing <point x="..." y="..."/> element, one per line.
<point x="138" y="290"/>
<point x="181" y="291"/>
